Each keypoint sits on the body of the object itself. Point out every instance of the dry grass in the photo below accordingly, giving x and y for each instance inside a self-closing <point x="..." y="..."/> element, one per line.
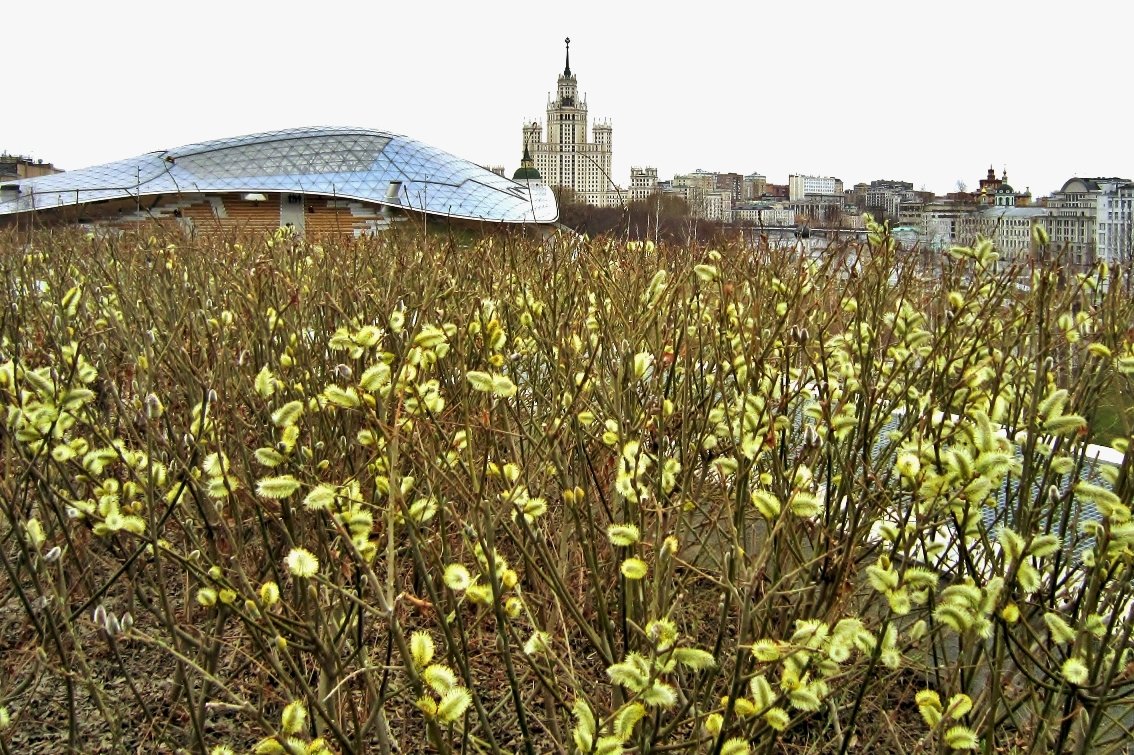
<point x="777" y="438"/>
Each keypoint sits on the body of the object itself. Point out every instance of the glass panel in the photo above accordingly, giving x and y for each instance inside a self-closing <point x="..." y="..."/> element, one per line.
<point x="338" y="162"/>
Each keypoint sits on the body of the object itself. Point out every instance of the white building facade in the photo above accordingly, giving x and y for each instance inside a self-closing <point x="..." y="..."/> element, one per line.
<point x="1073" y="221"/>
<point x="643" y="183"/>
<point x="800" y="187"/>
<point x="566" y="159"/>
<point x="1116" y="221"/>
<point x="718" y="206"/>
<point x="1009" y="229"/>
<point x="765" y="214"/>
<point x="1092" y="219"/>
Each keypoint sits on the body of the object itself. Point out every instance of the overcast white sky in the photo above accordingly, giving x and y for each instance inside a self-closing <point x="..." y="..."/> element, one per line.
<point x="928" y="92"/>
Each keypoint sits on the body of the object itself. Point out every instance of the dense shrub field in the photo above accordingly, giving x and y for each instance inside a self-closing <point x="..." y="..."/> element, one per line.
<point x="410" y="494"/>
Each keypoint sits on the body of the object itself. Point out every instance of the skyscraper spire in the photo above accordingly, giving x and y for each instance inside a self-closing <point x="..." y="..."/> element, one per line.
<point x="567" y="70"/>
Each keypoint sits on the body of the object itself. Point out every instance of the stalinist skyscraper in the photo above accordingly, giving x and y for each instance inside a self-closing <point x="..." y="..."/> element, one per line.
<point x="567" y="159"/>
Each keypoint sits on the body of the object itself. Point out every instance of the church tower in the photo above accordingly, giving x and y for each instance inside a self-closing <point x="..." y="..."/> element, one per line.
<point x="567" y="159"/>
<point x="527" y="170"/>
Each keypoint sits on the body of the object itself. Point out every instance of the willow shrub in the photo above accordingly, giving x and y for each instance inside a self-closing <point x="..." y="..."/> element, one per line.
<point x="403" y="494"/>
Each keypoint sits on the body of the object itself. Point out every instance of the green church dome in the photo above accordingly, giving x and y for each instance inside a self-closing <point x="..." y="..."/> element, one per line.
<point x="527" y="170"/>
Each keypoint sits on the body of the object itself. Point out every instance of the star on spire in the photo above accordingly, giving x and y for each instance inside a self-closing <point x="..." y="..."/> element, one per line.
<point x="567" y="70"/>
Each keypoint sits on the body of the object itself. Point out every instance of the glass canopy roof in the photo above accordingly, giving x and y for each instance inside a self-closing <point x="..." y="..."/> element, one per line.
<point x="347" y="163"/>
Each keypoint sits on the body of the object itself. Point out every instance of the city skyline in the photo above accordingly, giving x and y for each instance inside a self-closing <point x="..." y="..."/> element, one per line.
<point x="857" y="92"/>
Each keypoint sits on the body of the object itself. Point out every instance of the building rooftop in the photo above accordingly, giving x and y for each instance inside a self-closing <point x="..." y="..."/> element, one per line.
<point x="1090" y="184"/>
<point x="341" y="162"/>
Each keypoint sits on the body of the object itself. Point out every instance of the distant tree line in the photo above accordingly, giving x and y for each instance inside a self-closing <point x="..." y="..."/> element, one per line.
<point x="659" y="217"/>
